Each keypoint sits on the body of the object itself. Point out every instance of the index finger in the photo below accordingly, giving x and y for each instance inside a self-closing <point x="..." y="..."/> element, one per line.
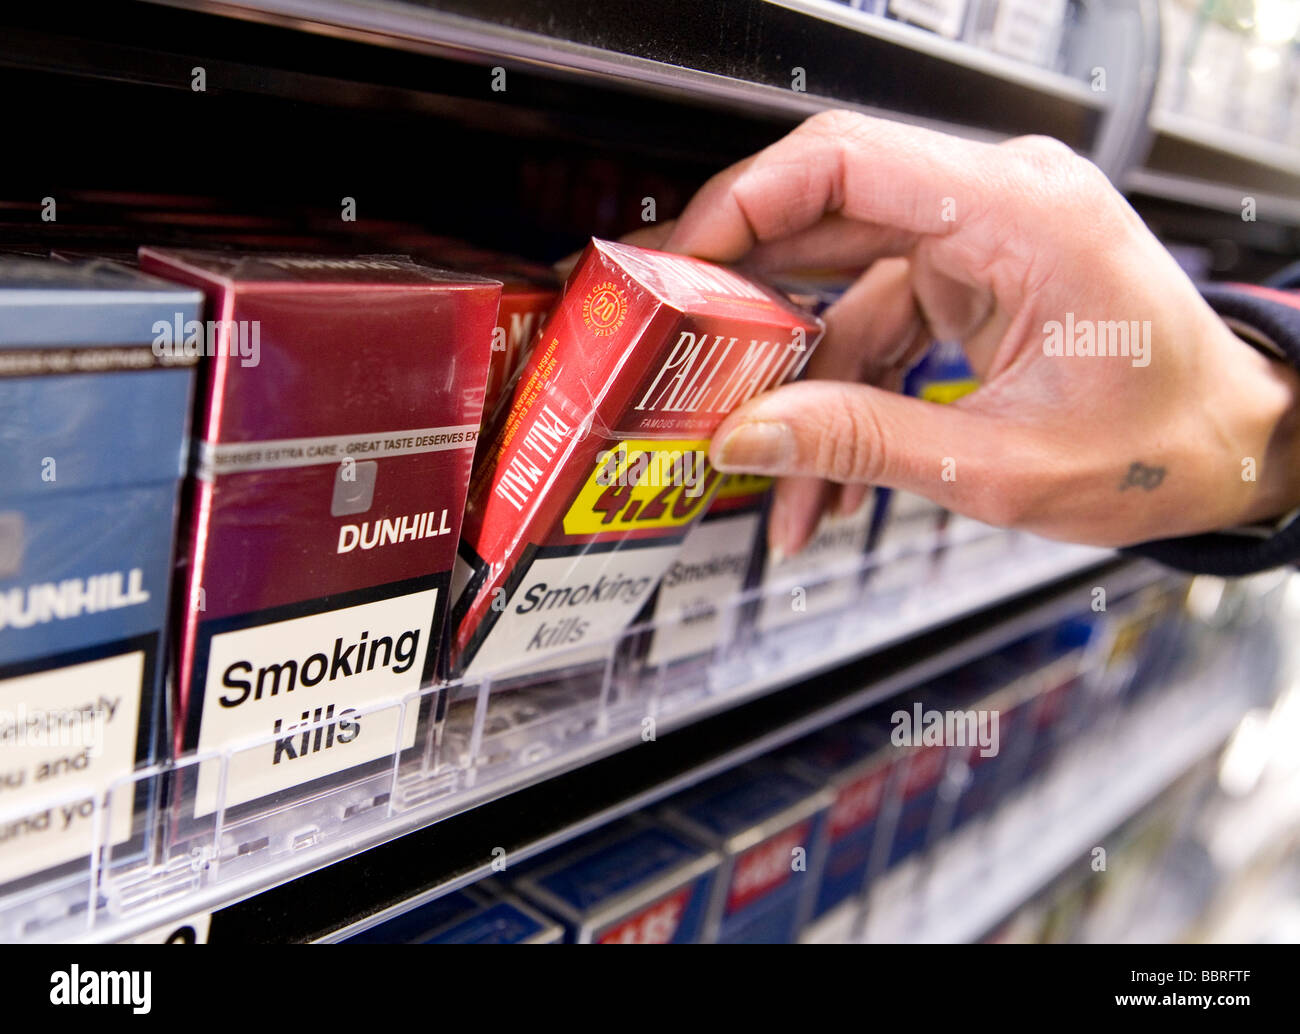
<point x="899" y="177"/>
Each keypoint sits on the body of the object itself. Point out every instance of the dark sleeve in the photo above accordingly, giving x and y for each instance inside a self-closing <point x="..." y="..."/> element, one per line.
<point x="1269" y="318"/>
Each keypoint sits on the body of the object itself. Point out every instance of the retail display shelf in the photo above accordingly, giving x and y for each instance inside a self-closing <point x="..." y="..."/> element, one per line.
<point x="1216" y="197"/>
<point x="1094" y="788"/>
<point x="613" y="789"/>
<point x="847" y="58"/>
<point x="1201" y="164"/>
<point x="1229" y="143"/>
<point x="599" y="68"/>
<point x="607" y="109"/>
<point x="957" y="52"/>
<point x="241" y="857"/>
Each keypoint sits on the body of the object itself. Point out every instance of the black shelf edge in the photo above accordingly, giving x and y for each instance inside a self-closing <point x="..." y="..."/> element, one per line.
<point x="554" y="46"/>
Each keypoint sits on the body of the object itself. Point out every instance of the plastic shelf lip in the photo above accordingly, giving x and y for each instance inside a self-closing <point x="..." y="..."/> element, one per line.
<point x="1219" y="197"/>
<point x="1039" y="566"/>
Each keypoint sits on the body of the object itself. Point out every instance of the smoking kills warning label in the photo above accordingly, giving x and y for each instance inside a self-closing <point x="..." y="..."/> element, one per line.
<point x="822" y="577"/>
<point x="568" y="602"/>
<point x="293" y="700"/>
<point x="569" y="608"/>
<point x="65" y="736"/>
<point x="698" y="603"/>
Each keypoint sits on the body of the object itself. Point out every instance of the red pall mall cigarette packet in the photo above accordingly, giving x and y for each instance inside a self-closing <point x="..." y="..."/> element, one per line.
<point x="598" y="466"/>
<point x="339" y="412"/>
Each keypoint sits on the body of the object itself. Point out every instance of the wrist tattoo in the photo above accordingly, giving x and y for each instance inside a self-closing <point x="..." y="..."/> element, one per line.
<point x="1141" y="476"/>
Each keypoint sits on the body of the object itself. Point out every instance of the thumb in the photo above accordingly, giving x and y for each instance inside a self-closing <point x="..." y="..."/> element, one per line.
<point x="654" y="236"/>
<point x="959" y="457"/>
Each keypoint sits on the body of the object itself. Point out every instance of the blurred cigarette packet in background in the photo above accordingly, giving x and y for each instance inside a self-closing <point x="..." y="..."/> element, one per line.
<point x="93" y="425"/>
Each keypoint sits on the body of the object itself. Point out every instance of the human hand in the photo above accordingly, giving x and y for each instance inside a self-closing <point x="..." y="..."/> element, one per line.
<point x="992" y="245"/>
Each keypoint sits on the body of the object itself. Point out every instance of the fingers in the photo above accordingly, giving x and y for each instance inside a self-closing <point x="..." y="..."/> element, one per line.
<point x="961" y="458"/>
<point x="872" y="331"/>
<point x="652" y="236"/>
<point x="851" y="499"/>
<point x="871" y="328"/>
<point x="870" y="170"/>
<point x="833" y="242"/>
<point x="797" y="504"/>
<point x="955" y="309"/>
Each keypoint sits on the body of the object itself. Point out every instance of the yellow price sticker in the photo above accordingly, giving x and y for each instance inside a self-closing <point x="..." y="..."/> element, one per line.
<point x="642" y="483"/>
<point x="944" y="392"/>
<point x="735" y="486"/>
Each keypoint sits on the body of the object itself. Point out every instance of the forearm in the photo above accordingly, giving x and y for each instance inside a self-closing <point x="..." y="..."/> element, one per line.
<point x="1278" y="473"/>
<point x="1262" y="407"/>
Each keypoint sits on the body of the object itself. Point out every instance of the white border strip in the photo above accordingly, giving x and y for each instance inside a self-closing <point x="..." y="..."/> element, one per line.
<point x="283" y="453"/>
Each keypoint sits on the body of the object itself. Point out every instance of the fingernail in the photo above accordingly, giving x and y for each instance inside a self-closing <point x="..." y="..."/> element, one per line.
<point x="759" y="447"/>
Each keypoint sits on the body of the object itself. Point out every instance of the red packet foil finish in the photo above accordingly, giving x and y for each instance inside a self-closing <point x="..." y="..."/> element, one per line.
<point x="528" y="292"/>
